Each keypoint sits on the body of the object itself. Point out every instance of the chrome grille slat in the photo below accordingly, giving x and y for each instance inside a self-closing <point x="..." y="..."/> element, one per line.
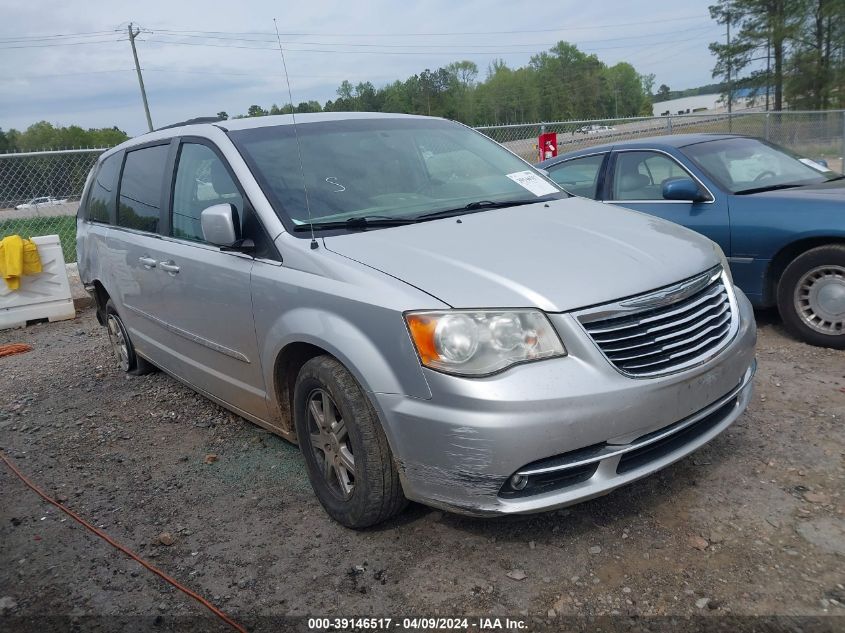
<point x="699" y="333"/>
<point x="670" y="357"/>
<point x="657" y="315"/>
<point x="675" y="328"/>
<point x="719" y="311"/>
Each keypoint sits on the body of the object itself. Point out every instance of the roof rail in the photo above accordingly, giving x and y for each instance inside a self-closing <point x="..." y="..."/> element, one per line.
<point x="200" y="119"/>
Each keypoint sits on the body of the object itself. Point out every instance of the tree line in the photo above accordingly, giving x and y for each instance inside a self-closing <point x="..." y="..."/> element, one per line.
<point x="558" y="84"/>
<point x="792" y="50"/>
<point x="44" y="135"/>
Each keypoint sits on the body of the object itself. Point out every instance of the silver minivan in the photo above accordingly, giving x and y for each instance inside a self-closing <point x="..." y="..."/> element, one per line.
<point x="424" y="313"/>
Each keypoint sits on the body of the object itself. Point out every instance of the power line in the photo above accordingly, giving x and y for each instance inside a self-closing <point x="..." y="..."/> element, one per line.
<point x="30" y="38"/>
<point x="413" y="34"/>
<point x="393" y="52"/>
<point x="148" y="69"/>
<point x="54" y="44"/>
<point x="167" y="33"/>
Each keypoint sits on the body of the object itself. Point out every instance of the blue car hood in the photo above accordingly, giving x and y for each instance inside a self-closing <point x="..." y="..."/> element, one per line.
<point x="831" y="191"/>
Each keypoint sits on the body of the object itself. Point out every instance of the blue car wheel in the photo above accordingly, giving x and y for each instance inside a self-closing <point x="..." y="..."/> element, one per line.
<point x="811" y="296"/>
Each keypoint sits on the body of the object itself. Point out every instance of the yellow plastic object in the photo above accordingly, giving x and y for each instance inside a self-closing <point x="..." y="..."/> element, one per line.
<point x="18" y="257"/>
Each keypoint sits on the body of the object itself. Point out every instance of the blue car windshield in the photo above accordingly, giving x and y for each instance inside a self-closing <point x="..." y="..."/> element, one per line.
<point x="384" y="168"/>
<point x="748" y="164"/>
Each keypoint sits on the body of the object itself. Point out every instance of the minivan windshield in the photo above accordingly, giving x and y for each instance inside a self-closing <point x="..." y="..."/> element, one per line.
<point x="385" y="170"/>
<point x="748" y="165"/>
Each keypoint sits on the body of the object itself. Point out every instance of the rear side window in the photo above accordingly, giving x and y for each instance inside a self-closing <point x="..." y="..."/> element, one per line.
<point x="579" y="176"/>
<point x="101" y="201"/>
<point x="140" y="188"/>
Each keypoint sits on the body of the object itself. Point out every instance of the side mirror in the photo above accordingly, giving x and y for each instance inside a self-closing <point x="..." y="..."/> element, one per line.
<point x="682" y="189"/>
<point x="220" y="225"/>
<point x="822" y="162"/>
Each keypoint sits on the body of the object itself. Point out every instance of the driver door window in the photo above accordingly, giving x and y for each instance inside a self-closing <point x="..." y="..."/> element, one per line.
<point x="640" y="175"/>
<point x="202" y="180"/>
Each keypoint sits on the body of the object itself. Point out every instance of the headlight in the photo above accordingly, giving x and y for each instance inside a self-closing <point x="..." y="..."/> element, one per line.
<point x="724" y="260"/>
<point x="481" y="342"/>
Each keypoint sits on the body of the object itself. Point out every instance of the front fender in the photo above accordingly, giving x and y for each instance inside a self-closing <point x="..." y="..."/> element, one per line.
<point x="382" y="358"/>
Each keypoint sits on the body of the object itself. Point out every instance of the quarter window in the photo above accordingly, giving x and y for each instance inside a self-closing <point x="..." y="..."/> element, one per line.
<point x="579" y="176"/>
<point x="202" y="180"/>
<point x="640" y="175"/>
<point x="101" y="200"/>
<point x="140" y="188"/>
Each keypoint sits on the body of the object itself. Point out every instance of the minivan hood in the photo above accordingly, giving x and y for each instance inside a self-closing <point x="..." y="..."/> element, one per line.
<point x="556" y="256"/>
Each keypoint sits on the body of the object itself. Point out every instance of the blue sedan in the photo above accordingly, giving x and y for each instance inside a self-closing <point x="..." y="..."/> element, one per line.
<point x="779" y="217"/>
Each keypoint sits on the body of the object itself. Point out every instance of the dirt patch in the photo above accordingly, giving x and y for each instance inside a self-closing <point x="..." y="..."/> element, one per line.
<point x="750" y="524"/>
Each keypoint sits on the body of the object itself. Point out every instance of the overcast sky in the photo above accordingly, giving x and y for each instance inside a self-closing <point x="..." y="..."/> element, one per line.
<point x="194" y="66"/>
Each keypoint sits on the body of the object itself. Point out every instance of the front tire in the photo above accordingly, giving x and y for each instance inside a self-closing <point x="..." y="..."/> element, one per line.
<point x="811" y="296"/>
<point x="121" y="344"/>
<point x="347" y="458"/>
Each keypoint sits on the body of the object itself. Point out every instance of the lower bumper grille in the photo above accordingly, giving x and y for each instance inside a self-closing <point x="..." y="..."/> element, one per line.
<point x="562" y="471"/>
<point x="665" y="330"/>
<point x="665" y="445"/>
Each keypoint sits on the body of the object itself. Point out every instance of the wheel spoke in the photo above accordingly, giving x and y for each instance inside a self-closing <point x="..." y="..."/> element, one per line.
<point x="329" y="413"/>
<point x="328" y="468"/>
<point x="347" y="460"/>
<point x="318" y="441"/>
<point x="316" y="413"/>
<point x="344" y="480"/>
<point x="339" y="430"/>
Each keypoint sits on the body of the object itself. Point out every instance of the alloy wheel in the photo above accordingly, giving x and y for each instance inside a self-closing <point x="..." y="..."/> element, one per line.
<point x="119" y="345"/>
<point x="330" y="443"/>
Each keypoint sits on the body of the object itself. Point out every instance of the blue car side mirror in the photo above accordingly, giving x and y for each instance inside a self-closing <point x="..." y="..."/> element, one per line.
<point x="682" y="189"/>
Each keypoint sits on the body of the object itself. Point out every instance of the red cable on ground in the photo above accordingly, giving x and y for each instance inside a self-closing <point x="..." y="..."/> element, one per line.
<point x="122" y="548"/>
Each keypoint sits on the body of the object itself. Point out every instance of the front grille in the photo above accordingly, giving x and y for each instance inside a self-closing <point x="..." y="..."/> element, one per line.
<point x="666" y="330"/>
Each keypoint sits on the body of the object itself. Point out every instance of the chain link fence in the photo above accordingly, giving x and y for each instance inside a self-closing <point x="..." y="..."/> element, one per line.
<point x="40" y="191"/>
<point x="819" y="135"/>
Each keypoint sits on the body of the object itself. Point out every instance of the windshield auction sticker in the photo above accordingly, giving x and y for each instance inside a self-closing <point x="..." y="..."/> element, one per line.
<point x="813" y="164"/>
<point x="531" y="181"/>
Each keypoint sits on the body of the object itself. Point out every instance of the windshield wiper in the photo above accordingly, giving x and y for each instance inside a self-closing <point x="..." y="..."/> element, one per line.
<point x="357" y="223"/>
<point x="477" y="205"/>
<point x="743" y="192"/>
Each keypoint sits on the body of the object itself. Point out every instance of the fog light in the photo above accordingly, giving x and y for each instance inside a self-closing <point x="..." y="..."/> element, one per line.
<point x="518" y="482"/>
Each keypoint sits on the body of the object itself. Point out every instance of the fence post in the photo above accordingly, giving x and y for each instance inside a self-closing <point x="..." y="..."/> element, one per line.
<point x="842" y="153"/>
<point x="768" y="120"/>
<point x="669" y="124"/>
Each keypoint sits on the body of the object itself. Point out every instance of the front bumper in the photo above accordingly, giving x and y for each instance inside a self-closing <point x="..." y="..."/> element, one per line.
<point x="577" y="418"/>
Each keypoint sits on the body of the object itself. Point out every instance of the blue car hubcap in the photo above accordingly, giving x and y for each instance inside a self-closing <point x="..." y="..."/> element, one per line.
<point x="820" y="299"/>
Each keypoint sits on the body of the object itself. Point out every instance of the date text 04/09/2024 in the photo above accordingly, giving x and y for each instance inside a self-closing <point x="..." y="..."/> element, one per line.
<point x="432" y="623"/>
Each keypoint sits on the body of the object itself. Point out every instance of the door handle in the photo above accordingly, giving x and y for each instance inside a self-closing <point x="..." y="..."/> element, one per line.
<point x="147" y="262"/>
<point x="169" y="267"/>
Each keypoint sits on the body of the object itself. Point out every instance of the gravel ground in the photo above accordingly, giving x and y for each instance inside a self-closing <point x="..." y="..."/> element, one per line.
<point x="752" y="524"/>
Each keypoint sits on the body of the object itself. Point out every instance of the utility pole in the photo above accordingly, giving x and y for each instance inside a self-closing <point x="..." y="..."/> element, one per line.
<point x="132" y="36"/>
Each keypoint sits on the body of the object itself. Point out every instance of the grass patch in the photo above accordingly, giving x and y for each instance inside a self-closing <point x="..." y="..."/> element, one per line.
<point x="63" y="226"/>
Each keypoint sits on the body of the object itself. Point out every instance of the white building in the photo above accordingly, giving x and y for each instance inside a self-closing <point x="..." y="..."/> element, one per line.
<point x="709" y="103"/>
